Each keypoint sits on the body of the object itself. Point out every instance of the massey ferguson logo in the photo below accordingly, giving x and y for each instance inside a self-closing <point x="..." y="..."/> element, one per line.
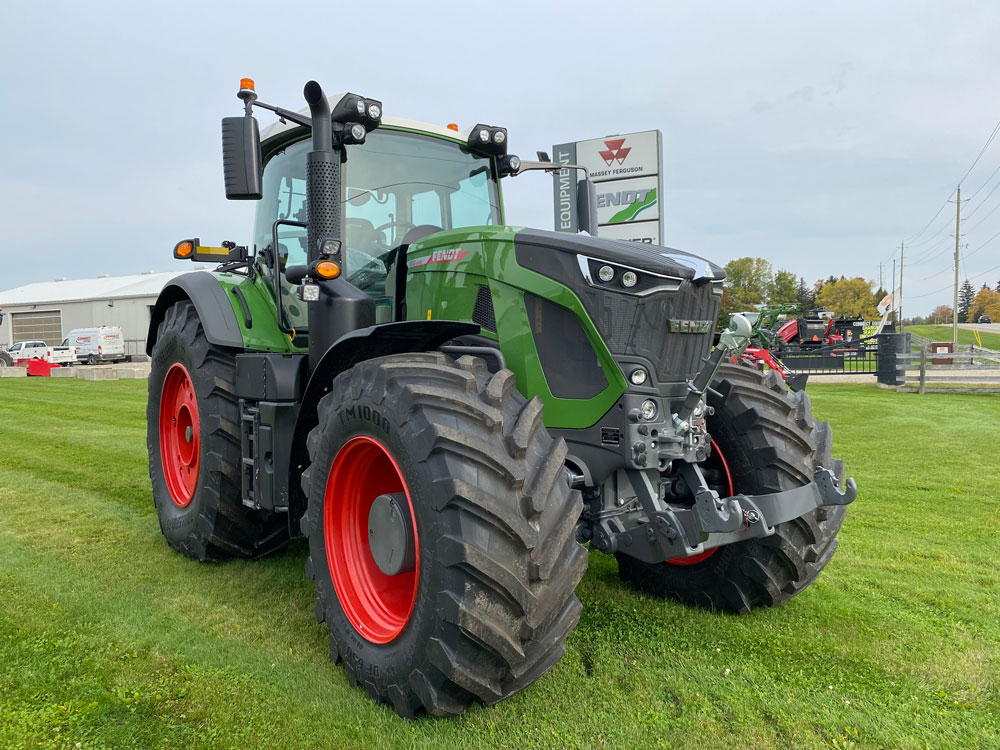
<point x="617" y="151"/>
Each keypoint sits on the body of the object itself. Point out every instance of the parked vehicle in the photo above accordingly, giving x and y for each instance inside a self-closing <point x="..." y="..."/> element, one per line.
<point x="375" y="380"/>
<point x="56" y="355"/>
<point x="93" y="345"/>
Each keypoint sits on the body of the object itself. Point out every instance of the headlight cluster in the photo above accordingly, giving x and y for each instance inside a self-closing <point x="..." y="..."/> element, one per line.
<point x="488" y="139"/>
<point x="608" y="274"/>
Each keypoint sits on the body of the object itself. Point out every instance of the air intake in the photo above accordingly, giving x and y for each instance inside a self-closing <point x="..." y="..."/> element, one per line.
<point x="482" y="313"/>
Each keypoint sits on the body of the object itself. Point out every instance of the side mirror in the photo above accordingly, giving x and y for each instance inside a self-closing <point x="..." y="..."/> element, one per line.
<point x="241" y="162"/>
<point x="586" y="206"/>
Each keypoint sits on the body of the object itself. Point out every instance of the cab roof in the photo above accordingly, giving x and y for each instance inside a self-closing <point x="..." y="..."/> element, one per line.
<point x="280" y="127"/>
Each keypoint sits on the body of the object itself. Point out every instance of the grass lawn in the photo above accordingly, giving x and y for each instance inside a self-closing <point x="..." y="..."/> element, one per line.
<point x="109" y="639"/>
<point x="965" y="335"/>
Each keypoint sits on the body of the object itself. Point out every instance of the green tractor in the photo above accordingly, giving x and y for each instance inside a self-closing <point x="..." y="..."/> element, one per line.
<point x="449" y="409"/>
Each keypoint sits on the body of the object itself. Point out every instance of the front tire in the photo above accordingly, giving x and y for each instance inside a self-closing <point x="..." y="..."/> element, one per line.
<point x="766" y="440"/>
<point x="192" y="433"/>
<point x="484" y="608"/>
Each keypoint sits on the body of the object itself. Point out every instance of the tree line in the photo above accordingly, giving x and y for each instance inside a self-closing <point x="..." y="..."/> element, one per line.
<point x="752" y="282"/>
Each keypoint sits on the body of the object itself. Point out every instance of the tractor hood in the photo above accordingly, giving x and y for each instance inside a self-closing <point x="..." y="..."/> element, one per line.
<point x="646" y="257"/>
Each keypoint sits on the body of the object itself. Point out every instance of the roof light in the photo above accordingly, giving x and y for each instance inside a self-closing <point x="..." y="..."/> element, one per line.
<point x="453" y="126"/>
<point x="184" y="249"/>
<point x="246" y="84"/>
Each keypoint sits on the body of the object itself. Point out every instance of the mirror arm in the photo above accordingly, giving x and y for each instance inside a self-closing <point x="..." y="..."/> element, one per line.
<point x="549" y="166"/>
<point x="285" y="114"/>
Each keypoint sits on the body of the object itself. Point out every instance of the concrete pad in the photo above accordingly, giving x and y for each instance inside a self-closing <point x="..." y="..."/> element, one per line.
<point x="63" y="372"/>
<point x="95" y="373"/>
<point x="130" y="373"/>
<point x="13" y="372"/>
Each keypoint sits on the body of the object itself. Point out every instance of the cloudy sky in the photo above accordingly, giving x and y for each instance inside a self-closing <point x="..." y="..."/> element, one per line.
<point x="815" y="135"/>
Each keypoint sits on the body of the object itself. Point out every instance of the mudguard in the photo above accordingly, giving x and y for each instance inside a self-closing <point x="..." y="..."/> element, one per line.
<point x="210" y="301"/>
<point x="357" y="346"/>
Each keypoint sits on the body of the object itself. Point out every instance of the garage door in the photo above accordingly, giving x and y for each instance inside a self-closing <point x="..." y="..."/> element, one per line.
<point x="45" y="326"/>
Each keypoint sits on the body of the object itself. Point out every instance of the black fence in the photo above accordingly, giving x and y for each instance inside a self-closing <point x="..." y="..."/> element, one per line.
<point x="862" y="356"/>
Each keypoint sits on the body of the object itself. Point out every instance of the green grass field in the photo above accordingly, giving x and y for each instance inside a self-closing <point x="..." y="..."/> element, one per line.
<point x="109" y="639"/>
<point x="965" y="336"/>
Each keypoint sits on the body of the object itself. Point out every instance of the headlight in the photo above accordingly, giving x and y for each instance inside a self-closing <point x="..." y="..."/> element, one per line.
<point x="374" y="111"/>
<point x="358" y="132"/>
<point x="638" y="376"/>
<point x="484" y="136"/>
<point x="499" y="137"/>
<point x="361" y="107"/>
<point x="629" y="279"/>
<point x="647" y="409"/>
<point x="606" y="273"/>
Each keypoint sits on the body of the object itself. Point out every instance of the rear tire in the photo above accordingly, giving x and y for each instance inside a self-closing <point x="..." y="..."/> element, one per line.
<point x="5" y="360"/>
<point x="197" y="485"/>
<point x="497" y="560"/>
<point x="770" y="442"/>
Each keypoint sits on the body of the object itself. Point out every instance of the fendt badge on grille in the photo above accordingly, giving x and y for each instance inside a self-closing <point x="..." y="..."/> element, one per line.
<point x="690" y="326"/>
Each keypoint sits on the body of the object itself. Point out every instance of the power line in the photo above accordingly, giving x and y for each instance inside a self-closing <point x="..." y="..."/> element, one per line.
<point x="983" y="201"/>
<point x="996" y="129"/>
<point x="937" y="213"/>
<point x="985" y="243"/>
<point x="986" y="145"/>
<point x="985" y="183"/>
<point x="970" y="278"/>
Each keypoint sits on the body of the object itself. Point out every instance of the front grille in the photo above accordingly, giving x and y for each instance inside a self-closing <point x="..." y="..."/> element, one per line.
<point x="638" y="326"/>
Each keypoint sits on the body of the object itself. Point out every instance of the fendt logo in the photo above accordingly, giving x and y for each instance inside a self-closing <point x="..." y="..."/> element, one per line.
<point x="617" y="151"/>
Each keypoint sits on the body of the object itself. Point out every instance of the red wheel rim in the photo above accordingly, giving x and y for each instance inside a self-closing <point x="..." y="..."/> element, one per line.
<point x="180" y="437"/>
<point x="377" y="605"/>
<point x="702" y="556"/>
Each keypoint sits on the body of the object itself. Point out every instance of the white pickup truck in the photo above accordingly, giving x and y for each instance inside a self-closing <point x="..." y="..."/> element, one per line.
<point x="55" y="355"/>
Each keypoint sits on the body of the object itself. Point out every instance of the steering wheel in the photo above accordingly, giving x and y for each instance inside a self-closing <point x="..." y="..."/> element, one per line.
<point x="379" y="236"/>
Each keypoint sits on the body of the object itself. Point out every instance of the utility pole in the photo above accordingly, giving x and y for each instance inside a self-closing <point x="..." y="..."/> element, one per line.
<point x="901" y="285"/>
<point x="880" y="276"/>
<point x="954" y="309"/>
<point x="893" y="291"/>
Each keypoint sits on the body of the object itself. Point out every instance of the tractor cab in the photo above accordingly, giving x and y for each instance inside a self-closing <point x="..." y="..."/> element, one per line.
<point x="406" y="181"/>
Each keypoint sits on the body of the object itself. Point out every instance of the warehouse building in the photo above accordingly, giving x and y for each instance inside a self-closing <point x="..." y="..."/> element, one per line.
<point x="49" y="310"/>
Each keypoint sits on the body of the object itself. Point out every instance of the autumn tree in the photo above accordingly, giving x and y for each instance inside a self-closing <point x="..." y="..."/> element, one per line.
<point x="986" y="302"/>
<point x="941" y="314"/>
<point x="849" y="297"/>
<point x="749" y="281"/>
<point x="782" y="288"/>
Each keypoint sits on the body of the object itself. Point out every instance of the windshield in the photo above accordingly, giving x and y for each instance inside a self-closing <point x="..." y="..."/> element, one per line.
<point x="393" y="182"/>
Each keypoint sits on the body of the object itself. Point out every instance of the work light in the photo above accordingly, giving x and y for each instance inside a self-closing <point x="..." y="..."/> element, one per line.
<point x="638" y="376"/>
<point x="647" y="409"/>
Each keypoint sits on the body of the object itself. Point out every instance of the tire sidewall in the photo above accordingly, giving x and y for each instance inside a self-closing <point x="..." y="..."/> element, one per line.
<point x="373" y="662"/>
<point x="177" y="523"/>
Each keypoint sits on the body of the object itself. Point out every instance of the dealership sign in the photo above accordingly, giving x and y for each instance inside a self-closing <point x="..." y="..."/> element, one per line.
<point x="625" y="170"/>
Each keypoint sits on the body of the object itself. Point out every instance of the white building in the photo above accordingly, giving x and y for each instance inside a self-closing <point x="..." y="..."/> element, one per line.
<point x="49" y="310"/>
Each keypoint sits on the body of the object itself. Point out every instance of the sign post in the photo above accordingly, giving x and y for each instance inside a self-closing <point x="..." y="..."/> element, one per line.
<point x="626" y="171"/>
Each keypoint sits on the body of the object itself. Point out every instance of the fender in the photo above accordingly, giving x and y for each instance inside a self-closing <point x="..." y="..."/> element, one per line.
<point x="347" y="351"/>
<point x="210" y="301"/>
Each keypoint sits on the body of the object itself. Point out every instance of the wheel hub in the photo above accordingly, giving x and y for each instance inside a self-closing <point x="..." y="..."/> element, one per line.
<point x="390" y="535"/>
<point x="371" y="539"/>
<point x="180" y="445"/>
